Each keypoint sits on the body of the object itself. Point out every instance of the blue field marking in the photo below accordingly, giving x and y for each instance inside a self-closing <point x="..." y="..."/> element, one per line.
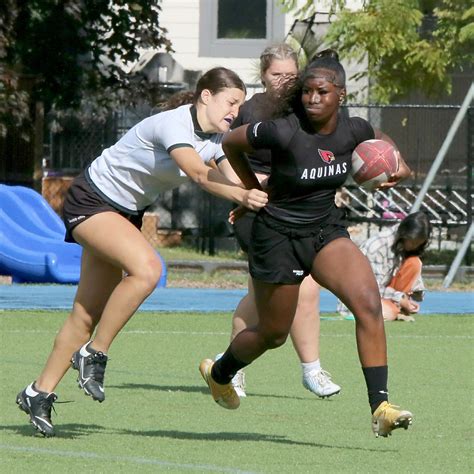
<point x="56" y="297"/>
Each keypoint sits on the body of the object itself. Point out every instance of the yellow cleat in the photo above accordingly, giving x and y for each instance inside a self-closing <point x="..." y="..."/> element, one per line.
<point x="388" y="418"/>
<point x="224" y="395"/>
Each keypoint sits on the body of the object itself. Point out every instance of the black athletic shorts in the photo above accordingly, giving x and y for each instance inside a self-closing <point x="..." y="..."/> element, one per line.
<point x="243" y="230"/>
<point x="82" y="202"/>
<point x="280" y="253"/>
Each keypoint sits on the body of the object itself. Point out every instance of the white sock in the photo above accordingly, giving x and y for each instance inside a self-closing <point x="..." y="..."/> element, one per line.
<point x="311" y="366"/>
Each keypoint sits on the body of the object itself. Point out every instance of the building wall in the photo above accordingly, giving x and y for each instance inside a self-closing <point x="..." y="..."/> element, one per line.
<point x="181" y="19"/>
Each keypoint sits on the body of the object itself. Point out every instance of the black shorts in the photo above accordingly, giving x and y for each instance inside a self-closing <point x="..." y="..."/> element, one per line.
<point x="283" y="254"/>
<point x="243" y="230"/>
<point x="82" y="202"/>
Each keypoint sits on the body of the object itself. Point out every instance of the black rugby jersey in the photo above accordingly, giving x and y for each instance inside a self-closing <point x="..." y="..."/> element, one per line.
<point x="253" y="110"/>
<point x="306" y="167"/>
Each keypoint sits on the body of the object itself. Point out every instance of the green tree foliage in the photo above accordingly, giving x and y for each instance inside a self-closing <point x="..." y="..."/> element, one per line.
<point x="73" y="50"/>
<point x="409" y="45"/>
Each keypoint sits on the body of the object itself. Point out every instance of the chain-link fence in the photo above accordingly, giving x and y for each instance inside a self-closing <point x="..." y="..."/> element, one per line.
<point x="419" y="132"/>
<point x="190" y="214"/>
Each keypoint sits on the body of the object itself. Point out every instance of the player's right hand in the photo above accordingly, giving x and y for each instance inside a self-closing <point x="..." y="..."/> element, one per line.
<point x="255" y="199"/>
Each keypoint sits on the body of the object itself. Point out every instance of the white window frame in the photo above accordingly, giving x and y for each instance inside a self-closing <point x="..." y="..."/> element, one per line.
<point x="211" y="46"/>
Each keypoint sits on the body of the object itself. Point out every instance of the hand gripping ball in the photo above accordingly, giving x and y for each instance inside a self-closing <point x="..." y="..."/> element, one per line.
<point x="373" y="162"/>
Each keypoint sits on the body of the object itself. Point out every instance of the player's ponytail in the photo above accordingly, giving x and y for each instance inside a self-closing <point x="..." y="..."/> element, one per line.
<point x="326" y="53"/>
<point x="327" y="59"/>
<point x="178" y="99"/>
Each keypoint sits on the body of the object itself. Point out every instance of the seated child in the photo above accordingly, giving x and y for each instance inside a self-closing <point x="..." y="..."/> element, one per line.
<point x="395" y="256"/>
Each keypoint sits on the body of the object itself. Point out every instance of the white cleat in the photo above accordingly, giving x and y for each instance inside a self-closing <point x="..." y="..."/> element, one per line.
<point x="319" y="382"/>
<point x="238" y="381"/>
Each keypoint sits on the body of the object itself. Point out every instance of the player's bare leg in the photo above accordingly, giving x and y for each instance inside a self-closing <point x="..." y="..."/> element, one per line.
<point x="305" y="335"/>
<point x="342" y="268"/>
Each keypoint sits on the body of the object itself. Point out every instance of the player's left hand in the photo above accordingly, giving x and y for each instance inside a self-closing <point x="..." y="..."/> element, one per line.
<point x="402" y="173"/>
<point x="237" y="213"/>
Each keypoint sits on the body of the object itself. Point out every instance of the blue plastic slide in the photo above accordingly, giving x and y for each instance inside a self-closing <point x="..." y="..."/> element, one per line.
<point x="32" y="247"/>
<point x="31" y="210"/>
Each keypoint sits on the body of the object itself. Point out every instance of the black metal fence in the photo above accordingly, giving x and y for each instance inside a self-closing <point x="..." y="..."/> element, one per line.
<point x="418" y="130"/>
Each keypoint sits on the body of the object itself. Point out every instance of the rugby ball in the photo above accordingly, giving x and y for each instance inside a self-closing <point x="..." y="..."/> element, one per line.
<point x="373" y="162"/>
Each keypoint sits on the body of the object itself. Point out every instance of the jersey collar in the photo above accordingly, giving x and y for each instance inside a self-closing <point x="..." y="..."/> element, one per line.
<point x="197" y="128"/>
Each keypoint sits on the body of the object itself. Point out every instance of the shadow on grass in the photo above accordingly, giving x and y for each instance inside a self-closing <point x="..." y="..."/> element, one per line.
<point x="75" y="431"/>
<point x="66" y="431"/>
<point x="160" y="388"/>
<point x="243" y="437"/>
<point x="204" y="390"/>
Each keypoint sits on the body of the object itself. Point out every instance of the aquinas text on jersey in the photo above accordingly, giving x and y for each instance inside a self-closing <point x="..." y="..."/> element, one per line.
<point x="324" y="171"/>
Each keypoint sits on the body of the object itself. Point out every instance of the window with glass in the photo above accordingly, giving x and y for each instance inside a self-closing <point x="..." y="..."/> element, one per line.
<point x="238" y="28"/>
<point x="238" y="19"/>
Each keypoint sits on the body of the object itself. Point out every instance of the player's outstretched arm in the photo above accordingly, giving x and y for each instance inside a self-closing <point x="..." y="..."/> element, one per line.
<point x="214" y="182"/>
<point x="235" y="146"/>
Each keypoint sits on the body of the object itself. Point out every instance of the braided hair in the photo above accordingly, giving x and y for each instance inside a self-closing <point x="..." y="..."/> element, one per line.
<point x="328" y="60"/>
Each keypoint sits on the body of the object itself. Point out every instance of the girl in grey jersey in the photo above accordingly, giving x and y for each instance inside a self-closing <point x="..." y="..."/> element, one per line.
<point x="102" y="211"/>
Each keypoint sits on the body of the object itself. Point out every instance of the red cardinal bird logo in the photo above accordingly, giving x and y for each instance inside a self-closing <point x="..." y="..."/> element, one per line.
<point x="326" y="155"/>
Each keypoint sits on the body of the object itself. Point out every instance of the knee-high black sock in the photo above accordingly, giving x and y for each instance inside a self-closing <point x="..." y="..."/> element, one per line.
<point x="376" y="380"/>
<point x="226" y="367"/>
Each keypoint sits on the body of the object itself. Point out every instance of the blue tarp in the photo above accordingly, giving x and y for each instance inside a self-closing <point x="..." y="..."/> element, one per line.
<point x="196" y="299"/>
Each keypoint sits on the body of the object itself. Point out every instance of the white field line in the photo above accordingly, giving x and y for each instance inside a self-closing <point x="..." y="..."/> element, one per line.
<point x="129" y="459"/>
<point x="216" y="333"/>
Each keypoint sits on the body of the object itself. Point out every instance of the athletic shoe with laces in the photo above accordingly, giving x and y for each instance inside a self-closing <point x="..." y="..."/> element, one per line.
<point x="238" y="381"/>
<point x="387" y="418"/>
<point x="91" y="367"/>
<point x="38" y="406"/>
<point x="223" y="395"/>
<point x="319" y="382"/>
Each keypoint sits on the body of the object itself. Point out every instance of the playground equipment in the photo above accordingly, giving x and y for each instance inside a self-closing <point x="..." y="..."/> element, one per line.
<point x="32" y="247"/>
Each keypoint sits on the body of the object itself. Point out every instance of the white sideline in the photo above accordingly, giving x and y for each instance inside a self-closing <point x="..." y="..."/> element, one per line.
<point x="130" y="459"/>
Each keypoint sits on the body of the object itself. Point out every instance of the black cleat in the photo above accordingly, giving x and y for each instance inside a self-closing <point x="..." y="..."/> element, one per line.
<point x="91" y="367"/>
<point x="38" y="406"/>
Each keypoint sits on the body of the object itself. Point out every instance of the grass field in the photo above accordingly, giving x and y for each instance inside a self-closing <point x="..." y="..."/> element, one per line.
<point x="158" y="415"/>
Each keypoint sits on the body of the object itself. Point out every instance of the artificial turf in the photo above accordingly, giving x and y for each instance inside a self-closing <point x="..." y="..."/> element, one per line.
<point x="158" y="414"/>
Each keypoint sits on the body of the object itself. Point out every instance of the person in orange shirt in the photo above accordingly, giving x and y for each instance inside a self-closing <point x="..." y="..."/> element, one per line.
<point x="395" y="256"/>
